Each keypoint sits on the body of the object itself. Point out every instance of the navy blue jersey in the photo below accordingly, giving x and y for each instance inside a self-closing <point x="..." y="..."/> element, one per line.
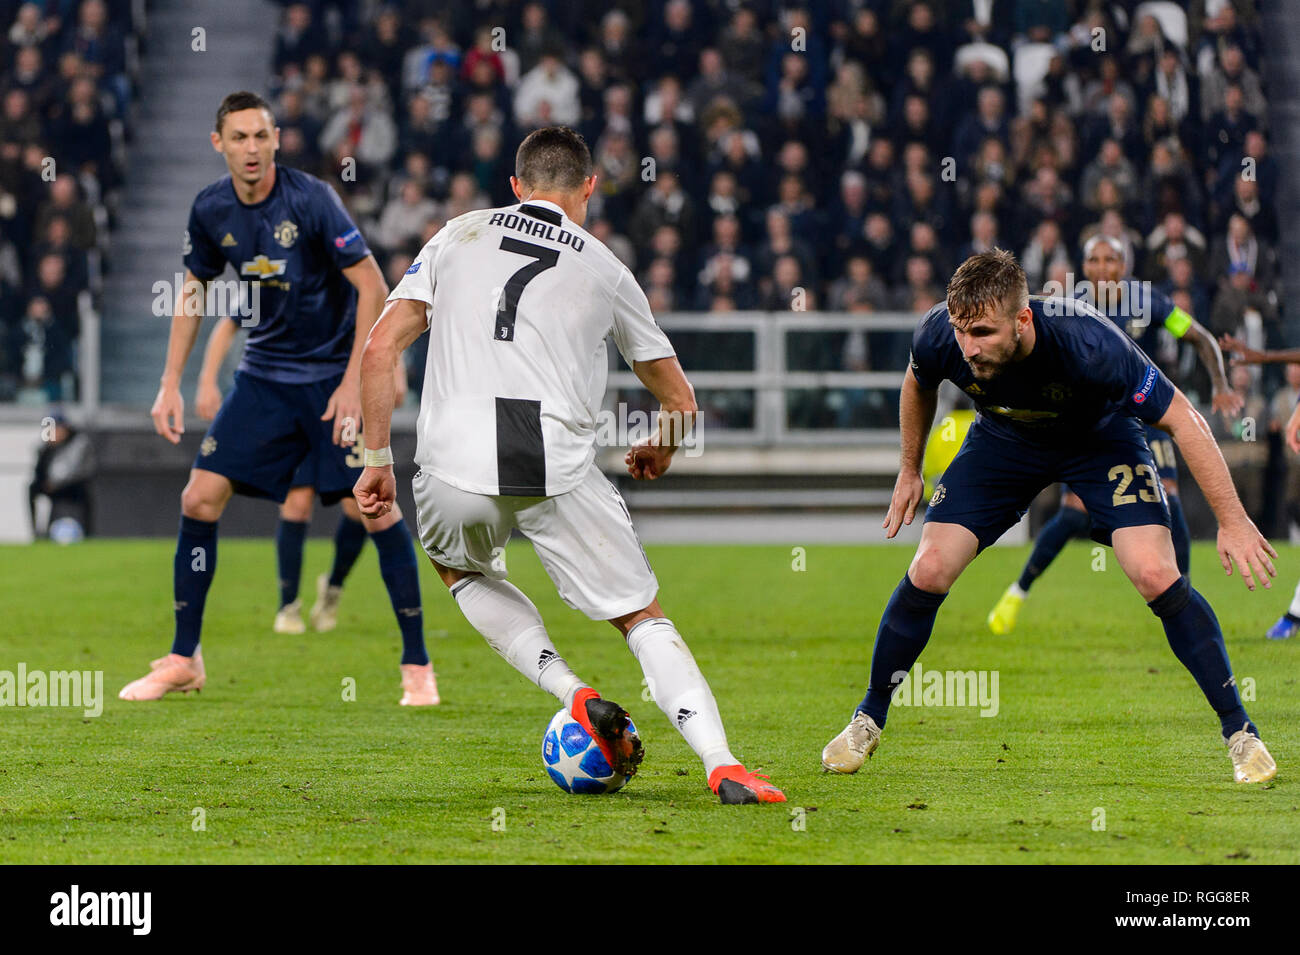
<point x="1140" y="310"/>
<point x="1081" y="375"/>
<point x="295" y="243"/>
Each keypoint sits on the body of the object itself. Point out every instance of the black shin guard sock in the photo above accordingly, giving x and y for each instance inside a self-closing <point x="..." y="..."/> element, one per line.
<point x="1195" y="637"/>
<point x="905" y="628"/>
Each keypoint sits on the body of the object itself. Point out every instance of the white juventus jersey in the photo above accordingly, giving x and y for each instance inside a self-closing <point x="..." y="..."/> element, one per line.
<point x="519" y="301"/>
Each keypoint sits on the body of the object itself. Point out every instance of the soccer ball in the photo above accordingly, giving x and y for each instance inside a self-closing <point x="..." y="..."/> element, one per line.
<point x="574" y="761"/>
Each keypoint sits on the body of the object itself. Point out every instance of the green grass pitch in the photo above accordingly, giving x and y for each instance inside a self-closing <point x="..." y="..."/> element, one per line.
<point x="1094" y="714"/>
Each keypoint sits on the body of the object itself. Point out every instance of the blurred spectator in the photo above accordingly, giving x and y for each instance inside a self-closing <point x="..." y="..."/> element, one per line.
<point x="1242" y="441"/>
<point x="60" y="486"/>
<point x="1044" y="253"/>
<point x="1173" y="239"/>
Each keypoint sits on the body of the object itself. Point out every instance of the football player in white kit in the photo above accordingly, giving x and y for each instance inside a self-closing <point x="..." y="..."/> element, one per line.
<point x="518" y="302"/>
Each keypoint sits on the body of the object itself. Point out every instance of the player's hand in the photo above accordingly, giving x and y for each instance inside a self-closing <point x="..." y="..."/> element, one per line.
<point x="375" y="491"/>
<point x="345" y="407"/>
<point x="1228" y="403"/>
<point x="168" y="413"/>
<point x="1292" y="426"/>
<point x="1243" y="354"/>
<point x="1242" y="544"/>
<point x="207" y="400"/>
<point x="908" y="490"/>
<point x="645" y="462"/>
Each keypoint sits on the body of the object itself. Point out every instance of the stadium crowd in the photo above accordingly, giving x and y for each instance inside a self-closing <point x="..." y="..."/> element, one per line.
<point x="854" y="150"/>
<point x="66" y="71"/>
<point x="839" y="156"/>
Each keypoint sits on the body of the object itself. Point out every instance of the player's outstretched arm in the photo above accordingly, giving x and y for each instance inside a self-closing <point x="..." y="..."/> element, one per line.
<point x="402" y="322"/>
<point x="1223" y="399"/>
<point x="663" y="378"/>
<point x="1243" y="354"/>
<point x="1239" y="541"/>
<point x="344" y="405"/>
<point x="916" y="407"/>
<point x="168" y="410"/>
<point x="207" y="398"/>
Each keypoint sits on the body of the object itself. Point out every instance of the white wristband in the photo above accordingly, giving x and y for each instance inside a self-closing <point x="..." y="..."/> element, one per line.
<point x="378" y="457"/>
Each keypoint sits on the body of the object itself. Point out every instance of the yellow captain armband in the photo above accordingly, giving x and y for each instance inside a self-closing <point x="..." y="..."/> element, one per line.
<point x="1178" y="322"/>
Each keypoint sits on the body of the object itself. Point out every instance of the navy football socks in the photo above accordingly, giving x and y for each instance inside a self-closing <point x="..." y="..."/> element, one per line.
<point x="1056" y="533"/>
<point x="401" y="575"/>
<point x="905" y="629"/>
<point x="192" y="571"/>
<point x="1197" y="641"/>
<point x="289" y="536"/>
<point x="349" y="538"/>
<point x="1182" y="538"/>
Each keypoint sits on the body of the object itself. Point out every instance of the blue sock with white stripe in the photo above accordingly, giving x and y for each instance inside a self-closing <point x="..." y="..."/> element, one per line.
<point x="401" y="573"/>
<point x="193" y="567"/>
<point x="289" y="537"/>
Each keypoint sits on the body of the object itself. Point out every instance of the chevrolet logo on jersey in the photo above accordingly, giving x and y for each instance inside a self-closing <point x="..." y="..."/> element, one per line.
<point x="1020" y="414"/>
<point x="261" y="267"/>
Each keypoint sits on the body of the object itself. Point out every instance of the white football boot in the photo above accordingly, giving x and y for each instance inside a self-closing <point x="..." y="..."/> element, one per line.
<point x="847" y="752"/>
<point x="1251" y="761"/>
<point x="325" y="613"/>
<point x="288" y="619"/>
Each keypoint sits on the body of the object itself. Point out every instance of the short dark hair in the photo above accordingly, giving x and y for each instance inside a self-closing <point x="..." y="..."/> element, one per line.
<point x="992" y="278"/>
<point x="234" y="102"/>
<point x="554" y="157"/>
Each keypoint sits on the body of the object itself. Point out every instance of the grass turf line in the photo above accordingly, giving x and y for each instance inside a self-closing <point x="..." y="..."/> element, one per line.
<point x="1095" y="713"/>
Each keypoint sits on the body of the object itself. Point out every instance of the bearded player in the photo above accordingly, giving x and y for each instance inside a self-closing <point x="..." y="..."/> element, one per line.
<point x="1063" y="395"/>
<point x="297" y="395"/>
<point x="1142" y="312"/>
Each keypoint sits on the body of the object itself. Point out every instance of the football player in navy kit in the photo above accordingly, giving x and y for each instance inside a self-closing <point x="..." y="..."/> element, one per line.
<point x="1143" y="312"/>
<point x="315" y="292"/>
<point x="1062" y="394"/>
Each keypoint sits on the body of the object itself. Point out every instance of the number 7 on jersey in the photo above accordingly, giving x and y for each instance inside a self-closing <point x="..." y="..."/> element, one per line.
<point x="508" y="304"/>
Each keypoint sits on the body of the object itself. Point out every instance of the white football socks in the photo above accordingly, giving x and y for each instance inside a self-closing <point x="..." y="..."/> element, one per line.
<point x="680" y="689"/>
<point x="1294" y="609"/>
<point x="510" y="623"/>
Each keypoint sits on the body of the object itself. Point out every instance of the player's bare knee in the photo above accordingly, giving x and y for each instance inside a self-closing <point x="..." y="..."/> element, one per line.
<point x="201" y="503"/>
<point x="930" y="571"/>
<point x="1153" y="577"/>
<point x="297" y="507"/>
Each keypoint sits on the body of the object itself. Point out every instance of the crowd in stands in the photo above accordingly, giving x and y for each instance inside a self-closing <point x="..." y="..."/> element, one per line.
<point x="853" y="151"/>
<point x="65" y="92"/>
<point x="840" y="156"/>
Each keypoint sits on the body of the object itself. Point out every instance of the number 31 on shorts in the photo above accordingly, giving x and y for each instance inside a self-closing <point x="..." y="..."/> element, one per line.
<point x="1124" y="474"/>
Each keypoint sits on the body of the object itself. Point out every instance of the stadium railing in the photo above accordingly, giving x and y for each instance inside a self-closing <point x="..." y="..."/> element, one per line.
<point x="775" y="379"/>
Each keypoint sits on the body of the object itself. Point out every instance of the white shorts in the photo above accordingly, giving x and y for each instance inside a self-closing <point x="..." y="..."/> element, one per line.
<point x="583" y="537"/>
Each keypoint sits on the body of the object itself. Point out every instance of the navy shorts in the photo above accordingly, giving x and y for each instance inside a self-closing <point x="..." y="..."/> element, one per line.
<point x="268" y="437"/>
<point x="993" y="480"/>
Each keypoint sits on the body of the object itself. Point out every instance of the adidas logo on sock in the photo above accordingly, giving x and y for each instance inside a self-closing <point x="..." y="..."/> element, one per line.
<point x="546" y="658"/>
<point x="683" y="715"/>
